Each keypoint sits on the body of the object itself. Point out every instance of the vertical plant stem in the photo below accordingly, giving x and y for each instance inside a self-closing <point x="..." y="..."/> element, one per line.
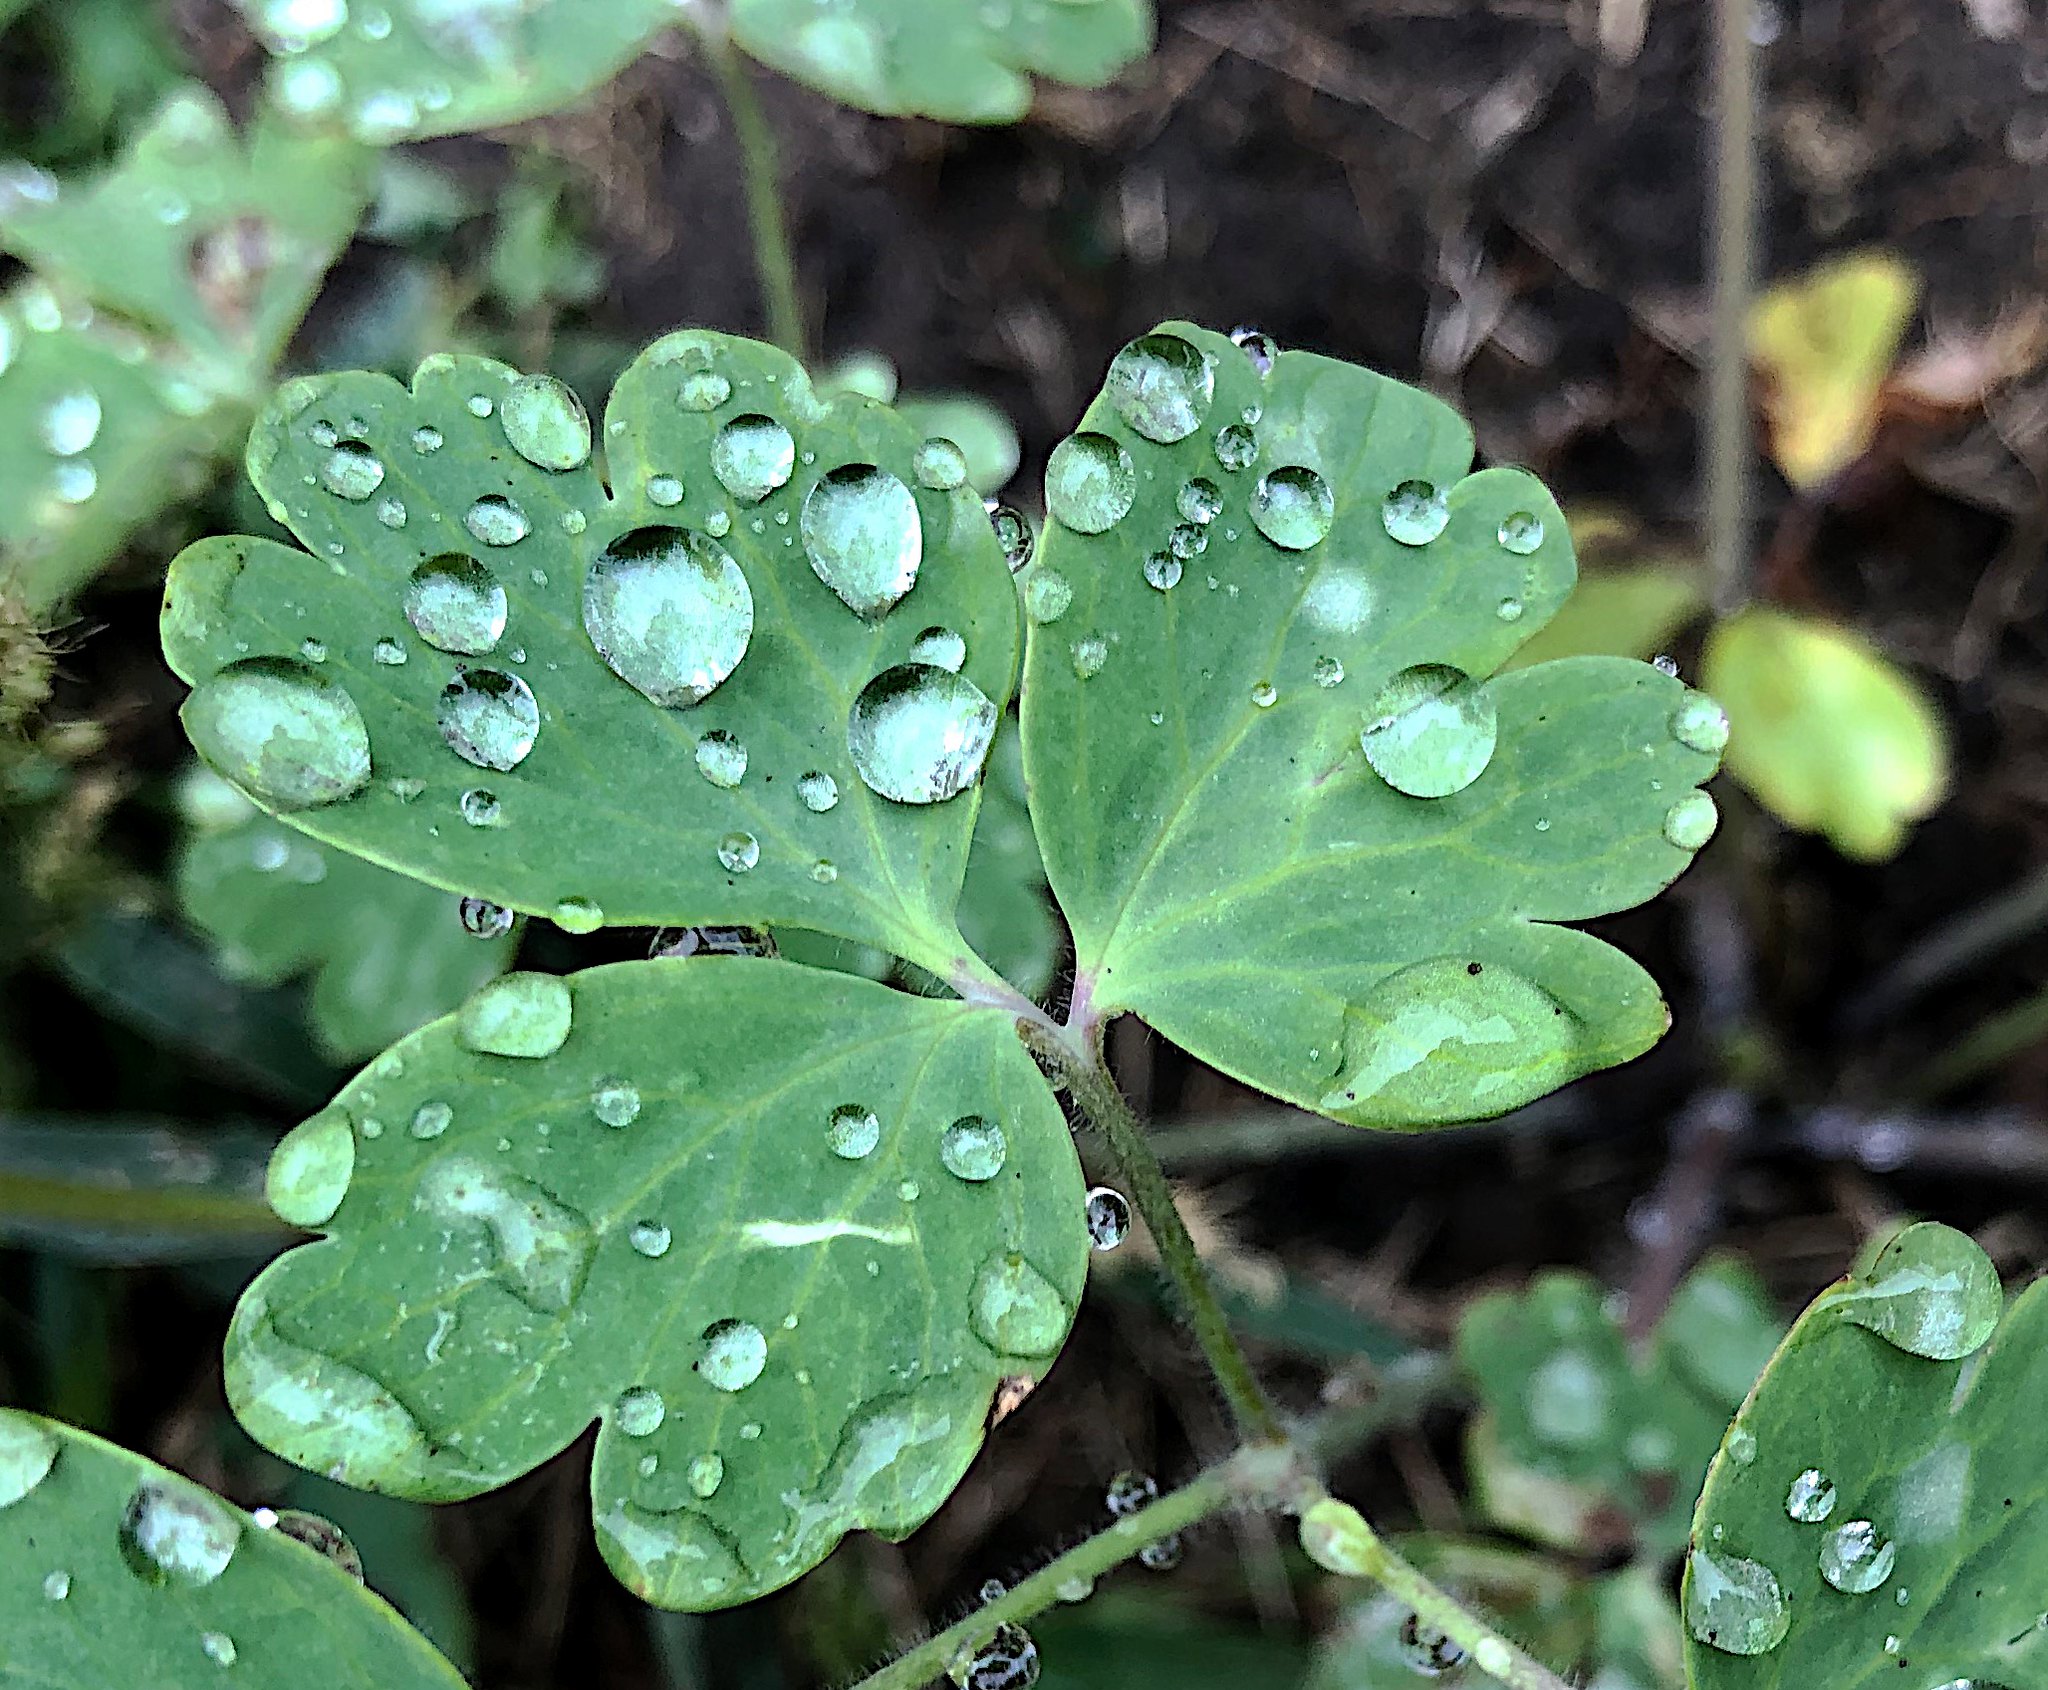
<point x="1096" y="1094"/>
<point x="1728" y="446"/>
<point x="773" y="259"/>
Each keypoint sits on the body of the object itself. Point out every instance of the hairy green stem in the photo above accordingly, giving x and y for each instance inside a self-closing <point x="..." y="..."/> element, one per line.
<point x="773" y="259"/>
<point x="1734" y="287"/>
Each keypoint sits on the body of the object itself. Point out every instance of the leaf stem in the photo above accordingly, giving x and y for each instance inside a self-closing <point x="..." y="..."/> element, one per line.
<point x="1734" y="244"/>
<point x="773" y="260"/>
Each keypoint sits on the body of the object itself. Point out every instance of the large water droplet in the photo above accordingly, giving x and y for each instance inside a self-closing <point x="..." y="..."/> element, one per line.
<point x="456" y="604"/>
<point x="1431" y="731"/>
<point x="174" y="1532"/>
<point x="616" y="1102"/>
<point x="1699" y="724"/>
<point x="1046" y="596"/>
<point x="752" y="456"/>
<point x="639" y="1412"/>
<point x="577" y="915"/>
<point x="1161" y="385"/>
<point x="1931" y="1292"/>
<point x="818" y="790"/>
<point x="28" y="1450"/>
<point x="941" y="466"/>
<point x="973" y="1148"/>
<point x="541" y="1247"/>
<point x="282" y="730"/>
<point x="1089" y="483"/>
<point x="670" y="611"/>
<point x="1415" y="513"/>
<point x="310" y="1170"/>
<point x="1854" y="1559"/>
<point x="863" y="536"/>
<point x="489" y="718"/>
<point x="919" y="734"/>
<point x="853" y="1131"/>
<point x="733" y="1354"/>
<point x="70" y="423"/>
<point x="1690" y="822"/>
<point x="1734" y="1605"/>
<point x="1811" y="1498"/>
<point x="1293" y="508"/>
<point x="497" y="521"/>
<point x="1108" y="1216"/>
<point x="546" y="423"/>
<point x="431" y="1120"/>
<point x="352" y="471"/>
<point x="1015" y="1309"/>
<point x="722" y="758"/>
<point x="517" y="1014"/>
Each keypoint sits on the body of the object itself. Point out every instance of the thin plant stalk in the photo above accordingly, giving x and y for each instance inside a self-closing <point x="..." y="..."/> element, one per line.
<point x="781" y="298"/>
<point x="1729" y="443"/>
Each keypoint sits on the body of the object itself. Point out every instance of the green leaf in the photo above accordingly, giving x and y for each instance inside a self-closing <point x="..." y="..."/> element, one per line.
<point x="429" y="67"/>
<point x="1830" y="735"/>
<point x="751" y="807"/>
<point x="1004" y="910"/>
<point x="1234" y="865"/>
<point x="785" y="1340"/>
<point x="114" y="1562"/>
<point x="1878" y="1516"/>
<point x="386" y="954"/>
<point x="937" y="58"/>
<point x="1578" y="1446"/>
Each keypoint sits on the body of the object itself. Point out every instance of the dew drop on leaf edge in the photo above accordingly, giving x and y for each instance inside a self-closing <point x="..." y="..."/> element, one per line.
<point x="281" y="729"/>
<point x="1734" y="1604"/>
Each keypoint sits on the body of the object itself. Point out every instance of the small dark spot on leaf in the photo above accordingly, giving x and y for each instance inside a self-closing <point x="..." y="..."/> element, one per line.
<point x="1475" y="968"/>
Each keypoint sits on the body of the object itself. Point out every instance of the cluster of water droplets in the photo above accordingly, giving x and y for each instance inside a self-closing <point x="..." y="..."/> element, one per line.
<point x="306" y="81"/>
<point x="1005" y="1660"/>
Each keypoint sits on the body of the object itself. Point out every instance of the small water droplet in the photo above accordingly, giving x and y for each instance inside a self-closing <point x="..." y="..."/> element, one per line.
<point x="1265" y="695"/>
<point x="1162" y="386"/>
<point x="483" y="919"/>
<point x="1237" y="448"/>
<point x="310" y="1170"/>
<point x="1415" y="513"/>
<point x="664" y="490"/>
<point x="852" y="1131"/>
<point x="496" y="521"/>
<point x="1741" y="1446"/>
<point x="1509" y="609"/>
<point x="1811" y="1498"/>
<point x="352" y="471"/>
<point x="1108" y="1217"/>
<point x="1130" y="1492"/>
<point x="1258" y="348"/>
<point x="1163" y="571"/>
<point x="615" y="1102"/>
<point x="517" y="1014"/>
<point x="639" y="1412"/>
<point x="1691" y="822"/>
<point x="282" y="730"/>
<point x="546" y="423"/>
<point x="1006" y="1661"/>
<point x="864" y="538"/>
<point x="426" y="441"/>
<point x="218" y="1647"/>
<point x="174" y="1532"/>
<point x="818" y="790"/>
<point x="57" y="1585"/>
<point x="1090" y="653"/>
<point x="391" y="512"/>
<point x="1700" y="724"/>
<point x="703" y="390"/>
<point x="480" y="405"/>
<point x="940" y="647"/>
<point x="479" y="807"/>
<point x="1521" y="533"/>
<point x="650" y="1239"/>
<point x="1013" y="534"/>
<point x="706" y="1473"/>
<point x="1293" y="507"/>
<point x="1199" y="501"/>
<point x="734" y="1353"/>
<point x="1046" y="596"/>
<point x="752" y="456"/>
<point x="577" y="915"/>
<point x="1427" y="1650"/>
<point x="1329" y="672"/>
<point x="1854" y="1559"/>
<point x="431" y="1120"/>
<point x="973" y="1148"/>
<point x="722" y="758"/>
<point x="1431" y="731"/>
<point x="1015" y="1309"/>
<point x="670" y="612"/>
<point x="919" y="734"/>
<point x="941" y="466"/>
<point x="739" y="852"/>
<point x="489" y="718"/>
<point x="1089" y="483"/>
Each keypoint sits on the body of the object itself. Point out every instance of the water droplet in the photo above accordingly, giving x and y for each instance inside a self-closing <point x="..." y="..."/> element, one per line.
<point x="1130" y="1492"/>
<point x="281" y="730"/>
<point x="1162" y="386"/>
<point x="74" y="481"/>
<point x="1265" y="695"/>
<point x="752" y="456"/>
<point x="1258" y="348"/>
<point x="352" y="471"/>
<point x="496" y="521"/>
<point x="650" y="1239"/>
<point x="479" y="807"/>
<point x="973" y="1148"/>
<point x="456" y="604"/>
<point x="664" y="490"/>
<point x="1046" y="596"/>
<point x="489" y="718"/>
<point x="1854" y="1560"/>
<point x="670" y="612"/>
<point x="1509" y="610"/>
<point x="28" y="1450"/>
<point x="1162" y="1554"/>
<point x="577" y="915"/>
<point x="57" y="1585"/>
<point x="1237" y="448"/>
<point x="941" y="648"/>
<point x="818" y="790"/>
<point x="542" y="1247"/>
<point x="1015" y="1309"/>
<point x="389" y="652"/>
<point x="1741" y="1446"/>
<point x="426" y="441"/>
<point x="479" y="405"/>
<point x="1665" y="665"/>
<point x="391" y="512"/>
<point x="941" y="466"/>
<point x="1690" y="823"/>
<point x="483" y="919"/>
<point x="1293" y="508"/>
<point x="919" y="734"/>
<point x="1811" y="1498"/>
<point x="1076" y="1589"/>
<point x="1426" y="1650"/>
<point x="706" y="1473"/>
<point x="1090" y="653"/>
<point x="1200" y="500"/>
<point x="1734" y="1605"/>
<point x="703" y="390"/>
<point x="1007" y="1661"/>
<point x="615" y="1102"/>
<point x="546" y="423"/>
<point x="1931" y="1292"/>
<point x="1013" y="534"/>
<point x="70" y="423"/>
<point x="864" y="538"/>
<point x="1163" y="571"/>
<point x="739" y="852"/>
<point x="852" y="1131"/>
<point x="1089" y="483"/>
<point x="733" y="1355"/>
<point x="1431" y="731"/>
<point x="518" y="1014"/>
<point x="722" y="758"/>
<point x="174" y="1531"/>
<point x="1187" y="542"/>
<point x="675" y="1559"/>
<point x="1700" y="724"/>
<point x="1329" y="672"/>
<point x="640" y="1412"/>
<point x="431" y="1120"/>
<point x="1415" y="513"/>
<point x="323" y="1537"/>
<point x="310" y="1170"/>
<point x="1520" y="533"/>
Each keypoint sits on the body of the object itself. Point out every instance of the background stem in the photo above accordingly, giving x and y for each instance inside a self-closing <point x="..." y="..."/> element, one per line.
<point x="1728" y="445"/>
<point x="780" y="299"/>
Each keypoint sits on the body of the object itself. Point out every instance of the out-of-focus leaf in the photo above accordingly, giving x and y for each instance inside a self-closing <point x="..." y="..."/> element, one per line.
<point x="1121" y="1639"/>
<point x="1824" y="343"/>
<point x="387" y="954"/>
<point x="115" y="60"/>
<point x="537" y="256"/>
<point x="1828" y="734"/>
<point x="1630" y="612"/>
<point x="12" y="9"/>
<point x="127" y="1192"/>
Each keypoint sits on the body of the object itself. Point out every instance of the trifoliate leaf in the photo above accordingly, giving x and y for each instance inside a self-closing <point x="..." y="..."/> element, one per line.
<point x="1878" y="1516"/>
<point x="1824" y="343"/>
<point x="753" y="682"/>
<point x="1291" y="822"/>
<point x="784" y="1232"/>
<point x="1829" y="734"/>
<point x="938" y="58"/>
<point x="113" y="1562"/>
<point x="386" y="954"/>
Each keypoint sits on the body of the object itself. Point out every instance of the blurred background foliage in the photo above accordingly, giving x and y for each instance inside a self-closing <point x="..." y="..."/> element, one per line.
<point x="1527" y="1336"/>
